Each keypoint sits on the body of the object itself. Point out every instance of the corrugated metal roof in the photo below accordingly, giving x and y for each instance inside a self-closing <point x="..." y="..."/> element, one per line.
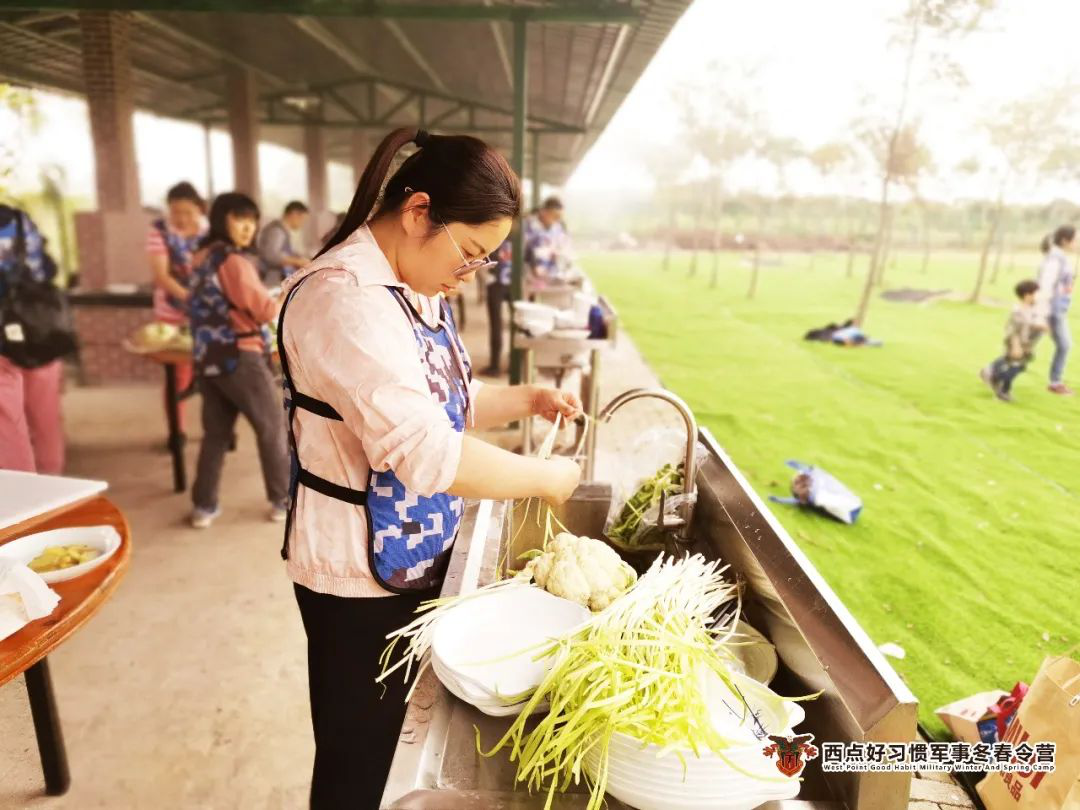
<point x="371" y="71"/>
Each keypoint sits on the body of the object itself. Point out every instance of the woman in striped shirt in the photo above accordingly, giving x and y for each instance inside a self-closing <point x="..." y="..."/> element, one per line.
<point x="169" y="245"/>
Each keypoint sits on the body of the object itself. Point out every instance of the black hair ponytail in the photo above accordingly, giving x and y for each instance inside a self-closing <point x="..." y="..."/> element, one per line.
<point x="466" y="179"/>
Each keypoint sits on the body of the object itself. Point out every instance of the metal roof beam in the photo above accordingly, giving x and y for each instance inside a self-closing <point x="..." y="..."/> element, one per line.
<point x="49" y="16"/>
<point x="609" y="71"/>
<point x="194" y="42"/>
<point x="414" y="53"/>
<point x="381" y="126"/>
<point x="59" y="44"/>
<point x="500" y="47"/>
<point x="345" y="104"/>
<point x="386" y="116"/>
<point x="445" y="115"/>
<point x="23" y="75"/>
<point x="405" y="87"/>
<point x="563" y="12"/>
<point x="331" y="42"/>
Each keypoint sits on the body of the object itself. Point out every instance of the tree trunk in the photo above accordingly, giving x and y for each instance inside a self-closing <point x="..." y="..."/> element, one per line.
<point x="997" y="257"/>
<point x="698" y="214"/>
<point x="669" y="242"/>
<point x="718" y="206"/>
<point x="868" y="288"/>
<point x="754" y="272"/>
<point x="886" y="248"/>
<point x="995" y="221"/>
<point x="871" y="273"/>
<point x="925" y="242"/>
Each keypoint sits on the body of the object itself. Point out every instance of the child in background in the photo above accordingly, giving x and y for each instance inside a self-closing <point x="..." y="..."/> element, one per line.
<point x="1021" y="333"/>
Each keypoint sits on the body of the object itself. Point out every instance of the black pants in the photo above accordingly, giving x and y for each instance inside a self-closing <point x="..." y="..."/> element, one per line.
<point x="1004" y="371"/>
<point x="497" y="296"/>
<point x="356" y="726"/>
<point x="251" y="391"/>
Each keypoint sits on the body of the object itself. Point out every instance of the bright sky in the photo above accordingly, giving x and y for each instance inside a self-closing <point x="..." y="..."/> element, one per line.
<point x="819" y="60"/>
<point x="818" y="63"/>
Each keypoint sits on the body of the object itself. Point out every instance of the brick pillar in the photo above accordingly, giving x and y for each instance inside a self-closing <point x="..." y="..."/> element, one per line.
<point x="111" y="240"/>
<point x="318" y="178"/>
<point x="107" y="71"/>
<point x="361" y="153"/>
<point x="242" y="104"/>
<point x="315" y="152"/>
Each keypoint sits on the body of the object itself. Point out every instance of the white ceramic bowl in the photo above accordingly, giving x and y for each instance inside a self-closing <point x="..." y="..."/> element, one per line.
<point x="104" y="538"/>
<point x="644" y="793"/>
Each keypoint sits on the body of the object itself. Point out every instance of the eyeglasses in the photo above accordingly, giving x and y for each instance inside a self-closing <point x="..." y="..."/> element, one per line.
<point x="467" y="266"/>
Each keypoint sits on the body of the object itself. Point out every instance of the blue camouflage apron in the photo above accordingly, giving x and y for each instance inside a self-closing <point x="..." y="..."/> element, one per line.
<point x="410" y="536"/>
<point x="180" y="250"/>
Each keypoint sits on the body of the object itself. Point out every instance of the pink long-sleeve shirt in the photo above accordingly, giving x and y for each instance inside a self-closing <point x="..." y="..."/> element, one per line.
<point x="349" y="343"/>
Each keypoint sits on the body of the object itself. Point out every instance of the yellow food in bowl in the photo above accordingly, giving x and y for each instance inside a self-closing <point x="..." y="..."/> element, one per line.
<point x="55" y="558"/>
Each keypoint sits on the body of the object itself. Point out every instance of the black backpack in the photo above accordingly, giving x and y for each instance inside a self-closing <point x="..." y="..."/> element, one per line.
<point x="35" y="321"/>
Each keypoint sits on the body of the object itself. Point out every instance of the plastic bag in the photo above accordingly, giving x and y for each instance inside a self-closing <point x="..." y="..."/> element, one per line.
<point x="654" y="452"/>
<point x="816" y="488"/>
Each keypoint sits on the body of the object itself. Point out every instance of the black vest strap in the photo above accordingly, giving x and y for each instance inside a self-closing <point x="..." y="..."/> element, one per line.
<point x="357" y="497"/>
<point x="315" y="406"/>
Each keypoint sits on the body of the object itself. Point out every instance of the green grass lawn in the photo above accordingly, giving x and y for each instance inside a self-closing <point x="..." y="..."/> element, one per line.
<point x="967" y="552"/>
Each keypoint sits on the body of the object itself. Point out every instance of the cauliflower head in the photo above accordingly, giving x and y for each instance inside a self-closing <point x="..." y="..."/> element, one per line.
<point x="582" y="570"/>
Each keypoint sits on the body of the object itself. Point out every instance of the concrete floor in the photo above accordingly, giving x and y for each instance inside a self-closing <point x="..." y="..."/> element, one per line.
<point x="189" y="688"/>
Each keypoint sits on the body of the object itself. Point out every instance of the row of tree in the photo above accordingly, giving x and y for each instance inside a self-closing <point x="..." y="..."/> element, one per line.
<point x="1024" y="144"/>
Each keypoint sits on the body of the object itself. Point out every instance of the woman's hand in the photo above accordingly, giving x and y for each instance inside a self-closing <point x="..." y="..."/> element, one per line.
<point x="562" y="479"/>
<point x="550" y="402"/>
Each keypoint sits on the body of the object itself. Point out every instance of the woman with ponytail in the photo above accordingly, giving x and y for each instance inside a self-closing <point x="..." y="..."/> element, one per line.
<point x="380" y="396"/>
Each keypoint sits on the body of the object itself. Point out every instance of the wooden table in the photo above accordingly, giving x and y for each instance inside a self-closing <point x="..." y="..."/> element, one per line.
<point x="25" y="652"/>
<point x="169" y="360"/>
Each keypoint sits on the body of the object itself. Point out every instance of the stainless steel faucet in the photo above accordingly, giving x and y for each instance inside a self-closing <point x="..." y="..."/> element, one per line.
<point x="689" y="462"/>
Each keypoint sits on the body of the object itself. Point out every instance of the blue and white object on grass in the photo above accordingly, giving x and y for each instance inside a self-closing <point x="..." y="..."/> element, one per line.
<point x="816" y="488"/>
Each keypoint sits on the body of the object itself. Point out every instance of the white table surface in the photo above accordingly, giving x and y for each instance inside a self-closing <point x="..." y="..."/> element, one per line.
<point x="26" y="495"/>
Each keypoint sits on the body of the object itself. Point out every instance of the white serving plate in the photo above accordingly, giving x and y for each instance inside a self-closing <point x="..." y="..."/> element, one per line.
<point x="492" y="640"/>
<point x="488" y="704"/>
<point x="104" y="538"/>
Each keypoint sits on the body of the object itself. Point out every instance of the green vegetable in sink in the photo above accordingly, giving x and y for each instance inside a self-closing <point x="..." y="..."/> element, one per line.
<point x="668" y="481"/>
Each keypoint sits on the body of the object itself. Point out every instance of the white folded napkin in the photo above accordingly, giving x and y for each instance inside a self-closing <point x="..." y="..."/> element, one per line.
<point x="24" y="596"/>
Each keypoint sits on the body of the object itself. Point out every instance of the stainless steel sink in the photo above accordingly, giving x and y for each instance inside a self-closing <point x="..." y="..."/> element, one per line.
<point x="820" y="646"/>
<point x="584" y="514"/>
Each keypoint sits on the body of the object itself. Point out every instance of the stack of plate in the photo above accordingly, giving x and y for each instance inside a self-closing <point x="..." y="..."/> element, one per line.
<point x="536" y="319"/>
<point x="485" y="649"/>
<point x="740" y="779"/>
